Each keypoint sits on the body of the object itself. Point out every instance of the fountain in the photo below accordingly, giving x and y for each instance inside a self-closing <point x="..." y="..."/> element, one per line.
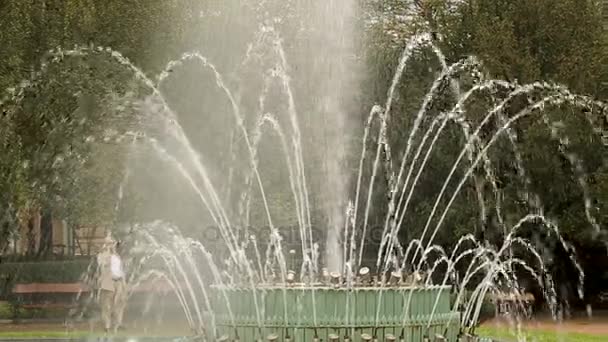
<point x="349" y="313"/>
<point x="257" y="291"/>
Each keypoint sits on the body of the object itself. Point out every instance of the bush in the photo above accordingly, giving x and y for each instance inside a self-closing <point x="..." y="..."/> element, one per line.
<point x="6" y="311"/>
<point x="66" y="271"/>
<point x="12" y="311"/>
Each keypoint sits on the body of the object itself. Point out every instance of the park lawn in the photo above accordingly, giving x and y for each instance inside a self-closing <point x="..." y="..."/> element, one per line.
<point x="534" y="335"/>
<point x="75" y="335"/>
<point x="35" y="334"/>
<point x="52" y="333"/>
<point x="504" y="334"/>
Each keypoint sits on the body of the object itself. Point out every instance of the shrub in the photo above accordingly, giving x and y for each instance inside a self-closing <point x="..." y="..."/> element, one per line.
<point x="12" y="311"/>
<point x="66" y="271"/>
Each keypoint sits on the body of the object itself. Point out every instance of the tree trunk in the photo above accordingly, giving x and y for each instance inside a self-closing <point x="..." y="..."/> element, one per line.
<point x="46" y="233"/>
<point x="4" y="237"/>
<point x="32" y="236"/>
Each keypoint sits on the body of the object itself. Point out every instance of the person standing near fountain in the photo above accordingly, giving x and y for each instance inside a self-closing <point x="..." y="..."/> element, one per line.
<point x="111" y="285"/>
<point x="120" y="286"/>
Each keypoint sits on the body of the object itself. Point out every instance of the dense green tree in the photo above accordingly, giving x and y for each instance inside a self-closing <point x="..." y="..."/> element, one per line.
<point x="518" y="41"/>
<point x="62" y="108"/>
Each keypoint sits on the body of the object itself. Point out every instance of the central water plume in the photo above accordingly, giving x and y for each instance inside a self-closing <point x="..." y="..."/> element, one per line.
<point x="334" y="65"/>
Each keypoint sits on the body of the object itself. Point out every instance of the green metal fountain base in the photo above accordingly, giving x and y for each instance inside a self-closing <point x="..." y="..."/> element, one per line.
<point x="303" y="313"/>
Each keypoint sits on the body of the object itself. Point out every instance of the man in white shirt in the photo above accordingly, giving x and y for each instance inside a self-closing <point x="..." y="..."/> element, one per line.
<point x="120" y="293"/>
<point x="111" y="280"/>
<point x="105" y="283"/>
<point x="116" y="266"/>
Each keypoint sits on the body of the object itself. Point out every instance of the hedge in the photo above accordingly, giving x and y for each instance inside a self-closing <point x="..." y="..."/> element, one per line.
<point x="65" y="271"/>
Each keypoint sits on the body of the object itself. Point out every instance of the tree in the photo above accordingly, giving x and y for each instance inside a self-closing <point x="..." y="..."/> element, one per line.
<point x="55" y="121"/>
<point x="518" y="41"/>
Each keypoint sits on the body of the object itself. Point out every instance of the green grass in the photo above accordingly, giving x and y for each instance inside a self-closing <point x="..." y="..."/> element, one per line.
<point x="503" y="334"/>
<point x="533" y="335"/>
<point x="35" y="335"/>
<point x="43" y="334"/>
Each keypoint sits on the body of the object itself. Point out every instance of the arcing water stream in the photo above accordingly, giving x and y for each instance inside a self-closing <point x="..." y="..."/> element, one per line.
<point x="473" y="271"/>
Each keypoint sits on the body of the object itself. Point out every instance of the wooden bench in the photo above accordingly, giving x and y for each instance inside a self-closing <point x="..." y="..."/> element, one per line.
<point x="50" y="288"/>
<point x="68" y="290"/>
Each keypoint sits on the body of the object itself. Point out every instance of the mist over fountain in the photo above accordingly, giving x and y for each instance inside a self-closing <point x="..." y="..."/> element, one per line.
<point x="258" y="284"/>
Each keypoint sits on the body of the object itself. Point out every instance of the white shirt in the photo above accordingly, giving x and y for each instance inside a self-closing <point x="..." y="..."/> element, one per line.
<point x="116" y="267"/>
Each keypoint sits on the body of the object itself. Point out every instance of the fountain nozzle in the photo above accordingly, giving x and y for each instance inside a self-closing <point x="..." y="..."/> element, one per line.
<point x="466" y="337"/>
<point x="335" y="278"/>
<point x="325" y="274"/>
<point x="291" y="276"/>
<point x="364" y="275"/>
<point x="395" y="278"/>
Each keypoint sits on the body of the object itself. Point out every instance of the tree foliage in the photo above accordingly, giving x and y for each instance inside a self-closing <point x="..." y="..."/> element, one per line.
<point x="61" y="115"/>
<point x="58" y="135"/>
<point x="562" y="153"/>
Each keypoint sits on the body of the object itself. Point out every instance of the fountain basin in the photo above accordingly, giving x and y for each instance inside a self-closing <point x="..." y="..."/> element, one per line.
<point x="301" y="313"/>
